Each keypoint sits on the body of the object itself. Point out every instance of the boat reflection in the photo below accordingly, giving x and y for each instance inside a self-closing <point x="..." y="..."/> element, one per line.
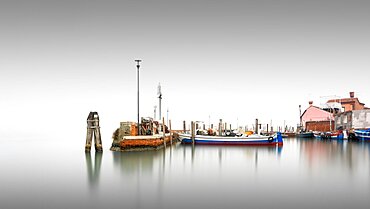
<point x="152" y="163"/>
<point x="347" y="155"/>
<point x="130" y="163"/>
<point x="226" y="155"/>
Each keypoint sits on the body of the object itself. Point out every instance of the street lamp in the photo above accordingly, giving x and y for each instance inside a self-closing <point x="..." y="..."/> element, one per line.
<point x="138" y="122"/>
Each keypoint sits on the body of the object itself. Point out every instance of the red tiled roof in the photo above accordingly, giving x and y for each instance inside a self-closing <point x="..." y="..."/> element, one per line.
<point x="346" y="100"/>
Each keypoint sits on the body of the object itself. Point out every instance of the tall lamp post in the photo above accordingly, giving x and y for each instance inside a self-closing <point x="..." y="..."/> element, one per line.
<point x="138" y="118"/>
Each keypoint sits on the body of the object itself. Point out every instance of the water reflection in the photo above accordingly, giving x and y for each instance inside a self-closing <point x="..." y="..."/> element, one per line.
<point x="301" y="174"/>
<point x="220" y="155"/>
<point x="130" y="163"/>
<point x="138" y="170"/>
<point x="155" y="163"/>
<point x="240" y="176"/>
<point x="93" y="169"/>
<point x="321" y="155"/>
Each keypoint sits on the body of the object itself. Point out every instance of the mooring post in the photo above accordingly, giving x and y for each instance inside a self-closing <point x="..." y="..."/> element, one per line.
<point x="89" y="136"/>
<point x="151" y="127"/>
<point x="220" y="127"/>
<point x="184" y="126"/>
<point x="169" y="123"/>
<point x="256" y="127"/>
<point x="225" y="128"/>
<point x="164" y="133"/>
<point x="98" y="144"/>
<point x="93" y="129"/>
<point x="192" y="132"/>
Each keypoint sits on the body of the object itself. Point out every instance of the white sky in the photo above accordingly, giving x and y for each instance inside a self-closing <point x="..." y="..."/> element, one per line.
<point x="235" y="60"/>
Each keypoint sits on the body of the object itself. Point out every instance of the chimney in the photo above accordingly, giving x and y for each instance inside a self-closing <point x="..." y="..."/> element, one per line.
<point x="352" y="94"/>
<point x="310" y="103"/>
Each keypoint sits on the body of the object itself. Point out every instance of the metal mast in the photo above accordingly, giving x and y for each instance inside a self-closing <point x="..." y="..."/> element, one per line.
<point x="160" y="101"/>
<point x="300" y="118"/>
<point x="138" y="104"/>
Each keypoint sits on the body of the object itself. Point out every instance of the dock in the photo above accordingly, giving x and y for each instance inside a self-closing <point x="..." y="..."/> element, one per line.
<point x="144" y="143"/>
<point x="126" y="138"/>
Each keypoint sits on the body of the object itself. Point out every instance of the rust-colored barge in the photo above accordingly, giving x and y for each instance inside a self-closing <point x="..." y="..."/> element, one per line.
<point x="126" y="138"/>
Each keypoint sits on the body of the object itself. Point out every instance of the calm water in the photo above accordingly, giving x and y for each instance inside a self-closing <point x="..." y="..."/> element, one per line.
<point x="302" y="174"/>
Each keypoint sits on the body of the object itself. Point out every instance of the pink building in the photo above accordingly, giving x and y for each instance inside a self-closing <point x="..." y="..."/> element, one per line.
<point x="316" y="119"/>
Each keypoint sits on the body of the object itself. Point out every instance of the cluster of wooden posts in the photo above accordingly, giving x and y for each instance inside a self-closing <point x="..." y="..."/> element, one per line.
<point x="93" y="130"/>
<point x="193" y="128"/>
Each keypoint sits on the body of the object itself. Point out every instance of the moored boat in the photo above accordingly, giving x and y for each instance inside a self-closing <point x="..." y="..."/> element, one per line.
<point x="337" y="135"/>
<point x="289" y="134"/>
<point x="251" y="140"/>
<point x="317" y="134"/>
<point x="305" y="135"/>
<point x="363" y="134"/>
<point x="332" y="135"/>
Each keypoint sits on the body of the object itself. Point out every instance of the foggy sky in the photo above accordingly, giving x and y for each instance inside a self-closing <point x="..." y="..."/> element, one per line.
<point x="236" y="60"/>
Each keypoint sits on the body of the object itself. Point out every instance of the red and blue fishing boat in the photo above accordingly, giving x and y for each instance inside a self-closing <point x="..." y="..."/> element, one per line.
<point x="336" y="135"/>
<point x="363" y="134"/>
<point x="251" y="140"/>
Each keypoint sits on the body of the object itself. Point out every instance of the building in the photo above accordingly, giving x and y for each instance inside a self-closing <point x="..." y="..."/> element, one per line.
<point x="354" y="115"/>
<point x="349" y="104"/>
<point x="346" y="113"/>
<point x="355" y="119"/>
<point x="317" y="119"/>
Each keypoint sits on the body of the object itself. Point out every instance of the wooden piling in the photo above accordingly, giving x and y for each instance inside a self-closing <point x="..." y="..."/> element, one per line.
<point x="93" y="130"/>
<point x="89" y="135"/>
<point x="220" y="127"/>
<point x="256" y="127"/>
<point x="151" y="127"/>
<point x="184" y="126"/>
<point x="164" y="133"/>
<point x="192" y="132"/>
<point x="169" y="124"/>
<point x="98" y="144"/>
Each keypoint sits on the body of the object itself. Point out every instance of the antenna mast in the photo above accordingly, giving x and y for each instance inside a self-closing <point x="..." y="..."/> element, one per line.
<point x="159" y="93"/>
<point x="300" y="118"/>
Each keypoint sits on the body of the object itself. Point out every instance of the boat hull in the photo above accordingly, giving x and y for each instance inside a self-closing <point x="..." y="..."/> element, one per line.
<point x="330" y="135"/>
<point x="305" y="135"/>
<point x="363" y="134"/>
<point x="233" y="141"/>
